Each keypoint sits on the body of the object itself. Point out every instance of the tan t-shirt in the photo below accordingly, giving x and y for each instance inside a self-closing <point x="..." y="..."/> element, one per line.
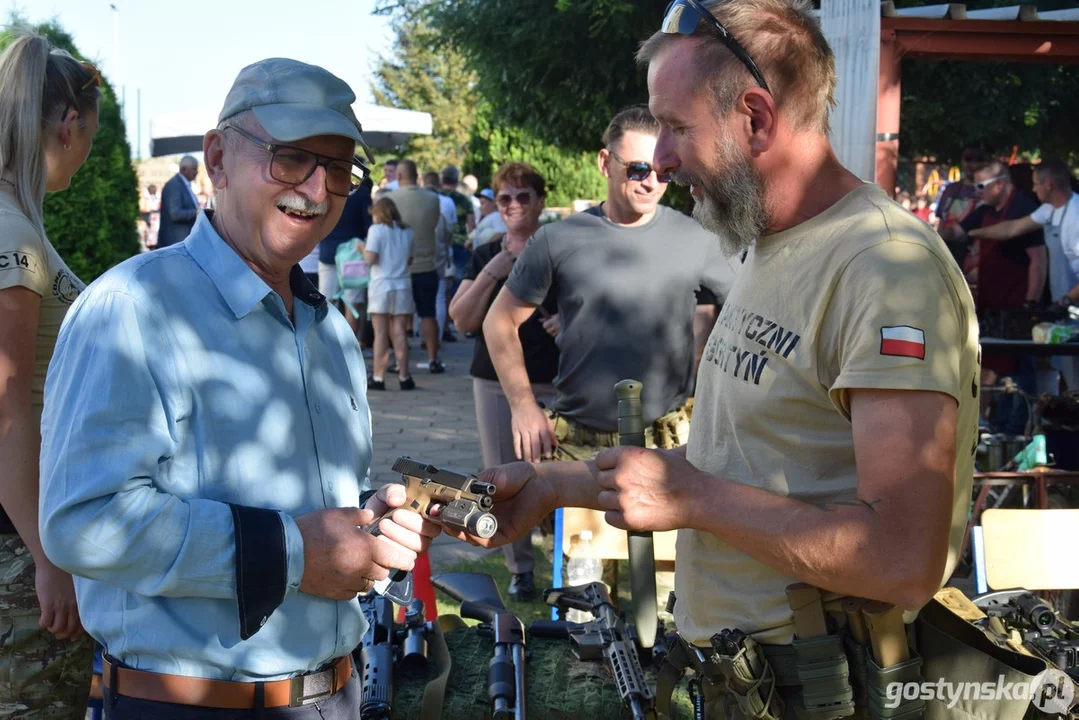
<point x="420" y="209"/>
<point x="864" y="295"/>
<point x="29" y="260"/>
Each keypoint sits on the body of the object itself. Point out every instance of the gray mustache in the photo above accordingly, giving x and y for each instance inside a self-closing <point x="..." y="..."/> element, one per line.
<point x="302" y="204"/>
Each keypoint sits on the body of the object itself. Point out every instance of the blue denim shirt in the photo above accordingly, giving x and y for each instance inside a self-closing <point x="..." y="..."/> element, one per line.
<point x="179" y="385"/>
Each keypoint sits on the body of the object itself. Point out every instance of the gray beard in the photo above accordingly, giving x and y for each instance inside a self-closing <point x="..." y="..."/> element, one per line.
<point x="732" y="204"/>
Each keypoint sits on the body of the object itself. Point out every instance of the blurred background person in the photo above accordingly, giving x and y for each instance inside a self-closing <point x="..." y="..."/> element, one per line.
<point x="389" y="294"/>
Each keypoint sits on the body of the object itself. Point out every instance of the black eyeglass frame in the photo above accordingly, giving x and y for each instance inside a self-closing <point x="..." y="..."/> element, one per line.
<point x="680" y="27"/>
<point x="662" y="177"/>
<point x="322" y="161"/>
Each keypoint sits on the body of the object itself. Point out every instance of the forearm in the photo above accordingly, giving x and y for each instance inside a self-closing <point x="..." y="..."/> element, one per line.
<point x="19" y="444"/>
<point x="146" y="542"/>
<point x="1035" y="280"/>
<point x="468" y="308"/>
<point x="851" y="547"/>
<point x="507" y="355"/>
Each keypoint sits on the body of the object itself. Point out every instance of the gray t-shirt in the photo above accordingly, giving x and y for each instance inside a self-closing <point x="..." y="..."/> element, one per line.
<point x="626" y="301"/>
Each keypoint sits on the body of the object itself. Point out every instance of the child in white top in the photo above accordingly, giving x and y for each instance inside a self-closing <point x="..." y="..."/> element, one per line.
<point x="389" y="295"/>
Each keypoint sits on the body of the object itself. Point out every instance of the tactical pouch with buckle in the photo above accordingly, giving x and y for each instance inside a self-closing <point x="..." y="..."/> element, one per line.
<point x="751" y="680"/>
<point x="857" y="657"/>
<point x="825" y="677"/>
<point x="881" y="705"/>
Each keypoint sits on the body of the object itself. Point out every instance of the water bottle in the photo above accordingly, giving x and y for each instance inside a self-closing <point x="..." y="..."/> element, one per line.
<point x="583" y="568"/>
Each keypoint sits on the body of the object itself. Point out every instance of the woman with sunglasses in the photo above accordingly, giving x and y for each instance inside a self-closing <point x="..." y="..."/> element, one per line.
<point x="519" y="192"/>
<point x="48" y="117"/>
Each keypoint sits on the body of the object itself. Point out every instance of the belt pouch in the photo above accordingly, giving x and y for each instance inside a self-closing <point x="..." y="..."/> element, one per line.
<point x="893" y="706"/>
<point x="825" y="677"/>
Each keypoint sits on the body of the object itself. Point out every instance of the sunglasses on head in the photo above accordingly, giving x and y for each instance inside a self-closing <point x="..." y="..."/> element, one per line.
<point x="986" y="183"/>
<point x="684" y="16"/>
<point x="640" y="170"/>
<point x="523" y="198"/>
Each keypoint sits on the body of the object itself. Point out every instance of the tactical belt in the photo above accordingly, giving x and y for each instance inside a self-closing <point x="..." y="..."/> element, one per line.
<point x="663" y="433"/>
<point x="201" y="692"/>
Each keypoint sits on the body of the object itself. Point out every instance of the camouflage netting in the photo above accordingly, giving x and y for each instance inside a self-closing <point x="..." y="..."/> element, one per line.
<point x="559" y="686"/>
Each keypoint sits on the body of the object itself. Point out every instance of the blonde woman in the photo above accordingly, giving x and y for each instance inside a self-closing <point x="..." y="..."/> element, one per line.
<point x="48" y="117"/>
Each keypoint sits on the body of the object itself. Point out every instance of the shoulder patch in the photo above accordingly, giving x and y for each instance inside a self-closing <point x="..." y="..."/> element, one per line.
<point x="902" y="341"/>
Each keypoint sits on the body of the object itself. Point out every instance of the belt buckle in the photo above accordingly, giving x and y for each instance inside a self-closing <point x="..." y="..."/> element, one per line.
<point x="296" y="697"/>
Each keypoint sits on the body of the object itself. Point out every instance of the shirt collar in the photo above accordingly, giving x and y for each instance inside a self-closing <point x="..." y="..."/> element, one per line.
<point x="238" y="284"/>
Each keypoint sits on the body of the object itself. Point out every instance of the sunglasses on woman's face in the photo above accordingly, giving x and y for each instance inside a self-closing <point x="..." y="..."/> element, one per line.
<point x="524" y="199"/>
<point x="639" y="170"/>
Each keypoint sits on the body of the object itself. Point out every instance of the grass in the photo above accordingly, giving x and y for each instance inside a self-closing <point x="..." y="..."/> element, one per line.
<point x="494" y="564"/>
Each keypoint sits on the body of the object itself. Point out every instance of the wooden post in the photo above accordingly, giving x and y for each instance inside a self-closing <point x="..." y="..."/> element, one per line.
<point x="889" y="99"/>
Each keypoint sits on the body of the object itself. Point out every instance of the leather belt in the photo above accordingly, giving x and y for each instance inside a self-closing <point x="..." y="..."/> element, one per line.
<point x="182" y="690"/>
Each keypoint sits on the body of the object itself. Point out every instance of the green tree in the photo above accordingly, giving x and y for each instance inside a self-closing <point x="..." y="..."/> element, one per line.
<point x="570" y="175"/>
<point x="561" y="68"/>
<point x="428" y="75"/>
<point x="92" y="223"/>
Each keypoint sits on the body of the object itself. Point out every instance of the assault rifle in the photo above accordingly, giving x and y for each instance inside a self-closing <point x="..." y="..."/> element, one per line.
<point x="480" y="600"/>
<point x="1042" y="630"/>
<point x="459" y="502"/>
<point x="607" y="638"/>
<point x="387" y="646"/>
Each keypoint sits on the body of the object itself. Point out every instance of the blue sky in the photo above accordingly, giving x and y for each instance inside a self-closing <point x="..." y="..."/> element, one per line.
<point x="184" y="54"/>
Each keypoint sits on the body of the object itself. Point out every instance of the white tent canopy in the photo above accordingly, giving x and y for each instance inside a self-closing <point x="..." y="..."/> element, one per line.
<point x="383" y="128"/>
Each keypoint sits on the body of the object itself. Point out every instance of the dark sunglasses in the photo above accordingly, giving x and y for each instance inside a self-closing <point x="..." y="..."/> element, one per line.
<point x="639" y="170"/>
<point x="523" y="199"/>
<point x="684" y="16"/>
<point x="294" y="166"/>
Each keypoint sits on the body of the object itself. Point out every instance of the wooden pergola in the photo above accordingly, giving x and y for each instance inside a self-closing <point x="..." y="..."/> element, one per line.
<point x="951" y="32"/>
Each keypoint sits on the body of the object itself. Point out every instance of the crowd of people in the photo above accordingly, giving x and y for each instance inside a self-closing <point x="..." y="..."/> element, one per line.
<point x="809" y="350"/>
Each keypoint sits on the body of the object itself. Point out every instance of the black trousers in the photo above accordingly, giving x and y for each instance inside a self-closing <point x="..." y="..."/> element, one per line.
<point x="345" y="705"/>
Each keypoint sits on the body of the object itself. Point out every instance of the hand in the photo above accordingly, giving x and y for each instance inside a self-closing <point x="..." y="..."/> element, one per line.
<point x="553" y="325"/>
<point x="500" y="265"/>
<point x="977" y="233"/>
<point x="56" y="596"/>
<point x="533" y="434"/>
<point x="341" y="559"/>
<point x="406" y="528"/>
<point x="522" y="500"/>
<point x="647" y="490"/>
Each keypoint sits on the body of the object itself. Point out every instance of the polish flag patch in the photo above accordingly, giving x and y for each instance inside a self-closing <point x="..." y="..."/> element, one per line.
<point x="902" y="341"/>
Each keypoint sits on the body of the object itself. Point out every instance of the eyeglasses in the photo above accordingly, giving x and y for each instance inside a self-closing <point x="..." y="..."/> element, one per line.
<point x="683" y="17"/>
<point x="524" y="199"/>
<point x="294" y="166"/>
<point x="639" y="170"/>
<point x="986" y="183"/>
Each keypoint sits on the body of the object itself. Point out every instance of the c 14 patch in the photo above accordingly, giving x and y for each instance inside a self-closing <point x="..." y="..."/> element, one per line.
<point x="902" y="341"/>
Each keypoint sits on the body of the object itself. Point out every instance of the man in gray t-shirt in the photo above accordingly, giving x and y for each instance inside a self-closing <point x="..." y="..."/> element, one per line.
<point x="624" y="275"/>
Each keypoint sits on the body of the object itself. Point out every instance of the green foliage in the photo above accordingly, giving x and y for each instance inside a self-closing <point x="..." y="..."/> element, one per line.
<point x="427" y="75"/>
<point x="559" y="70"/>
<point x="92" y="223"/>
<point x="1029" y="105"/>
<point x="569" y="175"/>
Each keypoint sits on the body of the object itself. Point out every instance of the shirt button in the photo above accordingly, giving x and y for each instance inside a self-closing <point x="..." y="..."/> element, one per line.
<point x="318" y="408"/>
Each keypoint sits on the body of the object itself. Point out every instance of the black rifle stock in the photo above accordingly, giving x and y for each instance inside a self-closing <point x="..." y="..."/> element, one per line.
<point x="605" y="638"/>
<point x="480" y="600"/>
<point x="642" y="555"/>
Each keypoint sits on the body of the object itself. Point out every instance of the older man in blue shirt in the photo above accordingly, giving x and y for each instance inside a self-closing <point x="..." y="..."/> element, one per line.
<point x="207" y="438"/>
